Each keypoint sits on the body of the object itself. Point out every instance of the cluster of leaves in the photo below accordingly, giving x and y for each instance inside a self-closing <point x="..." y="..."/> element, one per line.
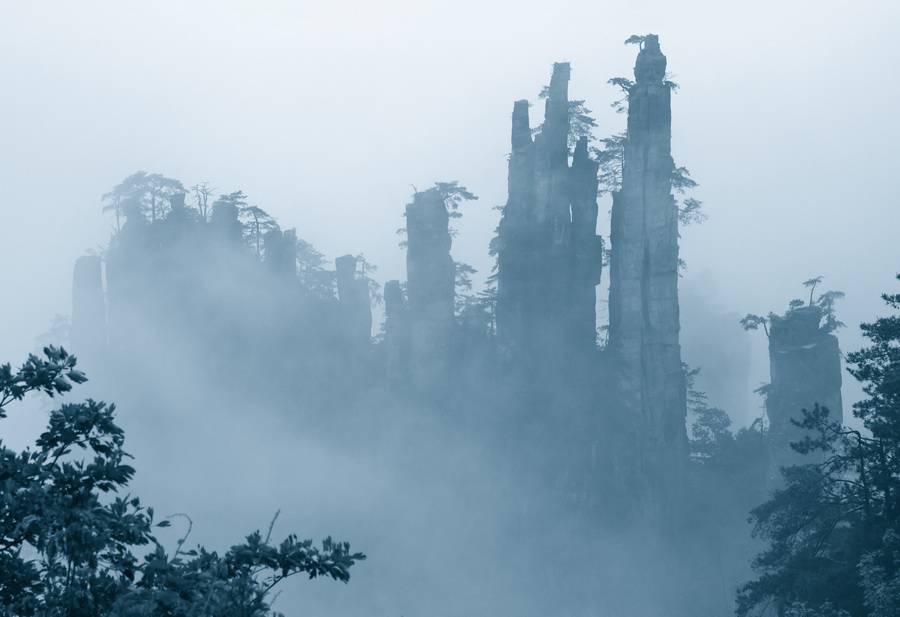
<point x="833" y="529"/>
<point x="476" y="311"/>
<point x="690" y="210"/>
<point x="624" y="84"/>
<point x="254" y="221"/>
<point x="581" y="121"/>
<point x="364" y="271"/>
<point x="312" y="271"/>
<point x="142" y="195"/>
<point x="453" y="194"/>
<point x="70" y="543"/>
<point x="148" y="197"/>
<point x="712" y="442"/>
<point x="825" y="303"/>
<point x="610" y="155"/>
<point x="710" y="430"/>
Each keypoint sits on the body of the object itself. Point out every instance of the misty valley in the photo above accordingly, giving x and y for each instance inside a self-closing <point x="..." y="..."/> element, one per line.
<point x="221" y="390"/>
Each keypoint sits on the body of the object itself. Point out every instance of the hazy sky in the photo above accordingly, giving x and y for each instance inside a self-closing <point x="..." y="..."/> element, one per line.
<point x="325" y="114"/>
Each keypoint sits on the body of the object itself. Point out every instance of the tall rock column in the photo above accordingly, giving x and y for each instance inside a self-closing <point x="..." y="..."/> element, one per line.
<point x="280" y="250"/>
<point x="88" y="309"/>
<point x="549" y="253"/>
<point x="353" y="295"/>
<point x="587" y="248"/>
<point x="396" y="333"/>
<point x="805" y="369"/>
<point x="430" y="287"/>
<point x="643" y="296"/>
<point x="519" y="237"/>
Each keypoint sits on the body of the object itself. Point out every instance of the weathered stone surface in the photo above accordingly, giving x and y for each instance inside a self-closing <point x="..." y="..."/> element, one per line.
<point x="430" y="287"/>
<point x="643" y="300"/>
<point x="805" y="368"/>
<point x="587" y="247"/>
<point x="280" y="249"/>
<point x="88" y="332"/>
<point x="550" y="256"/>
<point x="396" y="333"/>
<point x="353" y="295"/>
<point x="224" y="221"/>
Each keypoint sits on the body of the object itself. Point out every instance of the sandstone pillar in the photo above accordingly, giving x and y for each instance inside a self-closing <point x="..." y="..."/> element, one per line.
<point x="643" y="297"/>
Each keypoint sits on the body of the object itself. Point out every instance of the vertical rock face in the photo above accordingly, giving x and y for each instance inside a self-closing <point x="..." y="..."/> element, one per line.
<point x="805" y="368"/>
<point x="353" y="295"/>
<point x="88" y="309"/>
<point x="224" y="222"/>
<point x="430" y="286"/>
<point x="587" y="247"/>
<point x="549" y="253"/>
<point x="519" y="235"/>
<point x="396" y="338"/>
<point x="281" y="251"/>
<point x="643" y="296"/>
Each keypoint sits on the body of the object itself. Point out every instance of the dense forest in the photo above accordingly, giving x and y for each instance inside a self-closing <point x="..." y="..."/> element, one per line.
<point x="601" y="428"/>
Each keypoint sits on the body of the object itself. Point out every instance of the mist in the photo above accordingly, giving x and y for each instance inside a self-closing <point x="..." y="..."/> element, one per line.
<point x="332" y="117"/>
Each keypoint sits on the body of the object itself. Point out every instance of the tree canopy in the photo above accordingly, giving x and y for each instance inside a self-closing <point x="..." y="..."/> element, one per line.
<point x="833" y="529"/>
<point x="71" y="544"/>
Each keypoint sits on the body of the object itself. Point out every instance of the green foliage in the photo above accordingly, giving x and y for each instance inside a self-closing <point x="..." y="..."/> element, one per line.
<point x="825" y="302"/>
<point x="235" y="199"/>
<point x="878" y="368"/>
<point x="610" y="159"/>
<point x="581" y="121"/>
<point x="637" y="39"/>
<point x="712" y="442"/>
<point x="710" y="433"/>
<point x="54" y="374"/>
<point x="832" y="529"/>
<point x="828" y="321"/>
<point x="142" y="195"/>
<point x="256" y="222"/>
<point x="241" y="221"/>
<point x="620" y="105"/>
<point x="690" y="210"/>
<point x="364" y="271"/>
<point x="811" y="285"/>
<point x="463" y="276"/>
<point x="751" y="321"/>
<point x="801" y="609"/>
<point x="454" y="195"/>
<point x="202" y="192"/>
<point x="71" y="544"/>
<point x="477" y="312"/>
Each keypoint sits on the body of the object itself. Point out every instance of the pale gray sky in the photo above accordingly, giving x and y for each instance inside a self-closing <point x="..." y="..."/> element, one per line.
<point x="326" y="112"/>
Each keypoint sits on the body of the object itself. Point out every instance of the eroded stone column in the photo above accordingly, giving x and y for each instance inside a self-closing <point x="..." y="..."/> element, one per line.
<point x="88" y="329"/>
<point x="643" y="300"/>
<point x="430" y="287"/>
<point x="353" y="295"/>
<point x="805" y="369"/>
<point x="550" y="256"/>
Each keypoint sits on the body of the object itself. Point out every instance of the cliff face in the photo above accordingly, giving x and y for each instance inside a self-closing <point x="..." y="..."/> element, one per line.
<point x="281" y="252"/>
<point x="805" y="368"/>
<point x="430" y="287"/>
<point x="396" y="333"/>
<point x="643" y="300"/>
<point x="549" y="253"/>
<point x="88" y="310"/>
<point x="353" y="296"/>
